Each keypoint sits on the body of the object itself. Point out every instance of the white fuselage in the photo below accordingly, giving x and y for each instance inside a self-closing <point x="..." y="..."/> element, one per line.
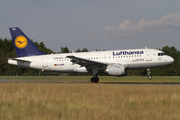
<point x="131" y="59"/>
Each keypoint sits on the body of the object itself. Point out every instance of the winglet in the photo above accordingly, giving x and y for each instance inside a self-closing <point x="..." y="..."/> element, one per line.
<point x="23" y="45"/>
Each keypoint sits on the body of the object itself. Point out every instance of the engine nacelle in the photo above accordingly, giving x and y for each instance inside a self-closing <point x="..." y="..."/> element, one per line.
<point x="115" y="69"/>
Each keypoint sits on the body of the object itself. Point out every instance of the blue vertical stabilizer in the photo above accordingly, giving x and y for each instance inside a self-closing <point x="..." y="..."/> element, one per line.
<point x="23" y="45"/>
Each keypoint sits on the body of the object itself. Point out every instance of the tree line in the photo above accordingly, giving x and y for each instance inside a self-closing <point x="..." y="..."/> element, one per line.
<point x="7" y="50"/>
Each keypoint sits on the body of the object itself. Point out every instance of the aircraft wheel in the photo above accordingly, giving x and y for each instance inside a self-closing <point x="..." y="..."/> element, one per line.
<point x="94" y="79"/>
<point x="149" y="77"/>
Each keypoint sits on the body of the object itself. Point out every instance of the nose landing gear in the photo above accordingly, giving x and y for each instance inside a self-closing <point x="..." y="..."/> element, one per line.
<point x="149" y="74"/>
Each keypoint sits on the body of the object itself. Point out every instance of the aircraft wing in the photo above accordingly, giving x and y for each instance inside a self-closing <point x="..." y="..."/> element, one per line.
<point x="89" y="64"/>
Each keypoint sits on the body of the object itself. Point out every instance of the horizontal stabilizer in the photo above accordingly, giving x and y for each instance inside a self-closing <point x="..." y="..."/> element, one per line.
<point x="17" y="59"/>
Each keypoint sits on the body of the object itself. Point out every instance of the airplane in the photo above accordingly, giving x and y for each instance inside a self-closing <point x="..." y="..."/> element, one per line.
<point x="113" y="63"/>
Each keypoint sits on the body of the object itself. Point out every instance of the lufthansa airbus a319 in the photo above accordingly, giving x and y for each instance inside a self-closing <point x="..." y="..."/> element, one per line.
<point x="114" y="62"/>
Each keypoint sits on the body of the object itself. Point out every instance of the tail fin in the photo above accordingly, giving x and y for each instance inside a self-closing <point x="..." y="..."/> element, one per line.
<point x="23" y="45"/>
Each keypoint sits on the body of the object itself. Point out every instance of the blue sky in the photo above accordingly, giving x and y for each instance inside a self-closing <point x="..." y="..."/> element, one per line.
<point x="95" y="24"/>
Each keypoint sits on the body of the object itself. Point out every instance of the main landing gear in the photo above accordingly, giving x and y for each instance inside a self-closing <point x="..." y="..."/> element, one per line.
<point x="149" y="74"/>
<point x="94" y="79"/>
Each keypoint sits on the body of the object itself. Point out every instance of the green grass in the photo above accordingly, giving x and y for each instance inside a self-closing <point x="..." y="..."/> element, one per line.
<point x="77" y="101"/>
<point x="87" y="78"/>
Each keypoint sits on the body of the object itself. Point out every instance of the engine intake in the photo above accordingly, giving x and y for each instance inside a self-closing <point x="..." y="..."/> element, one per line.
<point x="115" y="69"/>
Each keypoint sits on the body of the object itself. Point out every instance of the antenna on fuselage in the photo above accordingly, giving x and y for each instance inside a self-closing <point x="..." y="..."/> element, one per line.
<point x="144" y="47"/>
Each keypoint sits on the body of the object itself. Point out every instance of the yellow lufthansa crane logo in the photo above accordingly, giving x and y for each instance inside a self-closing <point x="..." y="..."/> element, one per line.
<point x="21" y="42"/>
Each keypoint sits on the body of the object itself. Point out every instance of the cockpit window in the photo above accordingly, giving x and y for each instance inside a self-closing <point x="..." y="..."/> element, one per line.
<point x="161" y="54"/>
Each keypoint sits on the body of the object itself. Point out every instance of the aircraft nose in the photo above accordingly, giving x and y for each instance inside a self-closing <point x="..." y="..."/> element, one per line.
<point x="170" y="60"/>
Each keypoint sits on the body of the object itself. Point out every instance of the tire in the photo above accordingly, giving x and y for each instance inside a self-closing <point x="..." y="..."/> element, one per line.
<point x="149" y="77"/>
<point x="94" y="79"/>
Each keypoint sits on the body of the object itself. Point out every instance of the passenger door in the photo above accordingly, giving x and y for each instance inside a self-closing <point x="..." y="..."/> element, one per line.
<point x="44" y="61"/>
<point x="148" y="55"/>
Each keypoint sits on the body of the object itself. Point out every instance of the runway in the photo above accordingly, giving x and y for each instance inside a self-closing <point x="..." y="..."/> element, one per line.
<point x="140" y="83"/>
<point x="88" y="82"/>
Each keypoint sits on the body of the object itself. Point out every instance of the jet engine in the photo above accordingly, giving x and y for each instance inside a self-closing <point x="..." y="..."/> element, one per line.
<point x="115" y="69"/>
